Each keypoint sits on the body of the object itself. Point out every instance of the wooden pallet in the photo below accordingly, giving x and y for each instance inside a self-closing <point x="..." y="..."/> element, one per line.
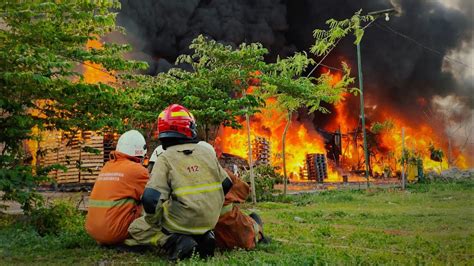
<point x="73" y="154"/>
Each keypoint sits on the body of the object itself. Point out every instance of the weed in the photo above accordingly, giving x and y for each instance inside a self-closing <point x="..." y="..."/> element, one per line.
<point x="429" y="224"/>
<point x="324" y="231"/>
<point x="60" y="216"/>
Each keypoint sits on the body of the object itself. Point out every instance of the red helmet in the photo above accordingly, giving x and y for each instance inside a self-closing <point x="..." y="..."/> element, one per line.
<point x="176" y="122"/>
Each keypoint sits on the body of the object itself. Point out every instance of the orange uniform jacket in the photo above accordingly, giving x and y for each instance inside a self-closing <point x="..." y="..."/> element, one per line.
<point x="235" y="229"/>
<point x="113" y="203"/>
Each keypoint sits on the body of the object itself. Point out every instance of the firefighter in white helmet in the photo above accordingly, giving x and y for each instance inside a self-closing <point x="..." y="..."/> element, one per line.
<point x="184" y="197"/>
<point x="115" y="199"/>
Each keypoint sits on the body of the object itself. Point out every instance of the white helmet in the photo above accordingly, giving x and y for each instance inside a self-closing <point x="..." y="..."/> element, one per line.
<point x="132" y="143"/>
<point x="159" y="150"/>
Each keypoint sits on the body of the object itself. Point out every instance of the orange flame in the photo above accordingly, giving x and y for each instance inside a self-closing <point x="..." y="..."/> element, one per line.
<point x="93" y="72"/>
<point x="302" y="139"/>
<point x="270" y="124"/>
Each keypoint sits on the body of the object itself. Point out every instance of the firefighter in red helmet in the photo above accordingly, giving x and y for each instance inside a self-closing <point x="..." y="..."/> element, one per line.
<point x="185" y="193"/>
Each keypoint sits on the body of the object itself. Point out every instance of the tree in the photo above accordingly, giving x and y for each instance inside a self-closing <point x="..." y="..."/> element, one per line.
<point x="210" y="84"/>
<point x="291" y="91"/>
<point x="214" y="89"/>
<point x="219" y="78"/>
<point x="326" y="40"/>
<point x="42" y="48"/>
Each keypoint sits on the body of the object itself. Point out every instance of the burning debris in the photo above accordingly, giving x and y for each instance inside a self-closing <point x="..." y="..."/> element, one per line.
<point x="316" y="167"/>
<point x="404" y="78"/>
<point x="336" y="138"/>
<point x="262" y="151"/>
<point x="338" y="144"/>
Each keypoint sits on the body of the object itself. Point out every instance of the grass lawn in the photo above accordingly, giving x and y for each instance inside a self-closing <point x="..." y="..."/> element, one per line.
<point x="428" y="223"/>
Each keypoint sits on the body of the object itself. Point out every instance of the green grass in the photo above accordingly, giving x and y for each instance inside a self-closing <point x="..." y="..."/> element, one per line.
<point x="428" y="223"/>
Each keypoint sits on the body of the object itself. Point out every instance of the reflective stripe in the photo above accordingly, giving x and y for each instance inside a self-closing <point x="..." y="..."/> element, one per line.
<point x="198" y="189"/>
<point x="162" y="114"/>
<point x="180" y="113"/>
<point x="154" y="240"/>
<point x="168" y="223"/>
<point x="110" y="203"/>
<point x="226" y="208"/>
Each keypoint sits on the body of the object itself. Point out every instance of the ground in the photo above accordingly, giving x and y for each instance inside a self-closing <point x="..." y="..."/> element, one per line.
<point x="428" y="223"/>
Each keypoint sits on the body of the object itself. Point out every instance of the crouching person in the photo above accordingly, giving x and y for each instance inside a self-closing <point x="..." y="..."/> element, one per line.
<point x="184" y="197"/>
<point x="235" y="229"/>
<point x="115" y="198"/>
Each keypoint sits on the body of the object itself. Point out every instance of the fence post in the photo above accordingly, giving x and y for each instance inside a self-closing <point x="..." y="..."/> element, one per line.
<point x="403" y="162"/>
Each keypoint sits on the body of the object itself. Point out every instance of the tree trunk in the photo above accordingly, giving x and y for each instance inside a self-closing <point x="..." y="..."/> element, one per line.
<point x="283" y="142"/>
<point x="450" y="153"/>
<point x="249" y="144"/>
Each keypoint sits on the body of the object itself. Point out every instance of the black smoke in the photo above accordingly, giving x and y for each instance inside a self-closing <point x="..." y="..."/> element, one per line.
<point x="397" y="71"/>
<point x="168" y="26"/>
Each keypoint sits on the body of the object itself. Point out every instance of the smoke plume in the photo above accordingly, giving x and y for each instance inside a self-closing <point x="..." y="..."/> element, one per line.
<point x="424" y="52"/>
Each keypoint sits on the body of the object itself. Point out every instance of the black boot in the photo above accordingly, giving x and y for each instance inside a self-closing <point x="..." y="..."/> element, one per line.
<point x="206" y="244"/>
<point x="258" y="220"/>
<point x="133" y="249"/>
<point x="180" y="247"/>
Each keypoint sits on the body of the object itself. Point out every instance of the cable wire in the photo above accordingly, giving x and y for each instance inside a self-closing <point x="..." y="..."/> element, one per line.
<point x="390" y="29"/>
<point x="332" y="68"/>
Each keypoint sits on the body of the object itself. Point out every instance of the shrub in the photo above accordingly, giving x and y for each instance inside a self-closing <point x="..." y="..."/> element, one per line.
<point x="60" y="217"/>
<point x="19" y="183"/>
<point x="265" y="179"/>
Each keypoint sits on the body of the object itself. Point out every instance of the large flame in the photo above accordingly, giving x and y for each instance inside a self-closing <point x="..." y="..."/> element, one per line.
<point x="93" y="72"/>
<point x="302" y="139"/>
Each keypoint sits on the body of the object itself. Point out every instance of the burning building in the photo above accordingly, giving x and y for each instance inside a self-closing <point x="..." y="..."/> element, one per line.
<point x="82" y="153"/>
<point x="420" y="83"/>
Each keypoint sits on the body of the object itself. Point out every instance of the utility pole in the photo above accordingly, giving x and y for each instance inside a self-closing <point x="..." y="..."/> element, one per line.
<point x="362" y="114"/>
<point x="250" y="160"/>
<point x="403" y="161"/>
<point x="375" y="14"/>
<point x="253" y="193"/>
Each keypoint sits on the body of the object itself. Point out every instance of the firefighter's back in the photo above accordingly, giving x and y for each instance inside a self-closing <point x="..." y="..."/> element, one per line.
<point x="195" y="179"/>
<point x="113" y="203"/>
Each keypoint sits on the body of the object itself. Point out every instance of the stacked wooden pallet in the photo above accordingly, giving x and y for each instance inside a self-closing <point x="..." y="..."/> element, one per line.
<point x="50" y="146"/>
<point x="91" y="163"/>
<point x="304" y="172"/>
<point x="70" y="151"/>
<point x="317" y="167"/>
<point x="109" y="144"/>
<point x="69" y="156"/>
<point x="261" y="148"/>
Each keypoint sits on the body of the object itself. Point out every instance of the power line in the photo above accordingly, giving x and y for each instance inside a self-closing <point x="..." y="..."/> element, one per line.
<point x="332" y="68"/>
<point x="389" y="29"/>
<point x="322" y="59"/>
